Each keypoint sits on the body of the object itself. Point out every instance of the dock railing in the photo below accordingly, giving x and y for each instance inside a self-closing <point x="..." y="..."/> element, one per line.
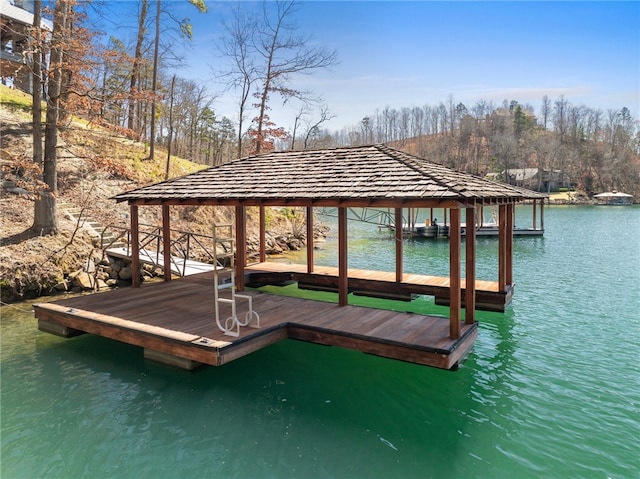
<point x="184" y="245"/>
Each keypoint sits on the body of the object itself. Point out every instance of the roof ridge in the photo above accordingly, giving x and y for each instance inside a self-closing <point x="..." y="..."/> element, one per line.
<point x="316" y="150"/>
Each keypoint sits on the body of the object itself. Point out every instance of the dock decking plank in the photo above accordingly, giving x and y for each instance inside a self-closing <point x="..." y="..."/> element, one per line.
<point x="376" y="283"/>
<point x="175" y="316"/>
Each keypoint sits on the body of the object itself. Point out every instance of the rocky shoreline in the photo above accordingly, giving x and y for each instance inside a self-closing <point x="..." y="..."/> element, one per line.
<point x="101" y="272"/>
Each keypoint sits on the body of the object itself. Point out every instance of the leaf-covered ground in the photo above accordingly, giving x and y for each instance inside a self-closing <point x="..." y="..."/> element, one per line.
<point x="93" y="166"/>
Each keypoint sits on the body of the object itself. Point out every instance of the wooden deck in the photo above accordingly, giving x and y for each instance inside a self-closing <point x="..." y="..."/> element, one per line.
<point x="376" y="283"/>
<point x="176" y="319"/>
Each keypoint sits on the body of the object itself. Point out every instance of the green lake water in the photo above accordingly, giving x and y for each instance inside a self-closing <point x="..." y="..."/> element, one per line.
<point x="550" y="390"/>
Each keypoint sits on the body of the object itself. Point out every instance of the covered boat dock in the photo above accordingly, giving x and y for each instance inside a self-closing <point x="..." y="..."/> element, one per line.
<point x="179" y="320"/>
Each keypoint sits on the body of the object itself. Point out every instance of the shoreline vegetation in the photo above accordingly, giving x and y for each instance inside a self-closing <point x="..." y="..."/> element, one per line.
<point x="93" y="166"/>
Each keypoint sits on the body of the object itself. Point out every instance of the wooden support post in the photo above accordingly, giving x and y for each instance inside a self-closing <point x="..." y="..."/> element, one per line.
<point x="502" y="247"/>
<point x="511" y="211"/>
<point x="263" y="223"/>
<point x="454" y="274"/>
<point x="135" y="247"/>
<point x="166" y="242"/>
<point x="535" y="207"/>
<point x="241" y="246"/>
<point x="542" y="214"/>
<point x="470" y="267"/>
<point x="309" y="239"/>
<point x="343" y="279"/>
<point x="399" y="244"/>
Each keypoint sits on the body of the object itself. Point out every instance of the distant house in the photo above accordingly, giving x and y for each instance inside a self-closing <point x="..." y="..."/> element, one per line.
<point x="16" y="18"/>
<point x="524" y="177"/>
<point x="532" y="178"/>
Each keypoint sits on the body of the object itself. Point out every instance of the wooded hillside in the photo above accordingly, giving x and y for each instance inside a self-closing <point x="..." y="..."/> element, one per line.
<point x="132" y="88"/>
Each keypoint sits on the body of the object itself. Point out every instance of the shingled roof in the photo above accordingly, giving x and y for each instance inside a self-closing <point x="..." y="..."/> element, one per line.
<point x="373" y="174"/>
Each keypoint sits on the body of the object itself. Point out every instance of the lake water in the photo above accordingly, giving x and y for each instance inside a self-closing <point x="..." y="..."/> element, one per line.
<point x="551" y="389"/>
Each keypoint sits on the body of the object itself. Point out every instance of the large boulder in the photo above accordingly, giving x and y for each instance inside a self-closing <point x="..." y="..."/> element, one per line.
<point x="85" y="281"/>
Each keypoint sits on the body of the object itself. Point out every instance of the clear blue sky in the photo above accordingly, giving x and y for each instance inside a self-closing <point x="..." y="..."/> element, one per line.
<point x="405" y="54"/>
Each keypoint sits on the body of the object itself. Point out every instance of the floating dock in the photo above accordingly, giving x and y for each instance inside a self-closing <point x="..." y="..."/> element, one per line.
<point x="442" y="231"/>
<point x="377" y="284"/>
<point x="174" y="322"/>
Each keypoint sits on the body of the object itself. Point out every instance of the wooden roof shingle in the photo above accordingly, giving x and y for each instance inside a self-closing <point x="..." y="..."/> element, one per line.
<point x="373" y="173"/>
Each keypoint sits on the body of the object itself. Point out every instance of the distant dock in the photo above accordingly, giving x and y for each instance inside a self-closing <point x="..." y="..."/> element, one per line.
<point x="487" y="230"/>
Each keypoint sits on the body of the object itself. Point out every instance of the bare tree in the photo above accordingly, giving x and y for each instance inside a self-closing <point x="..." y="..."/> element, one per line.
<point x="284" y="54"/>
<point x="154" y="84"/>
<point x="296" y="122"/>
<point x="560" y="116"/>
<point x="417" y="122"/>
<point x="137" y="60"/>
<point x="44" y="221"/>
<point x="186" y="31"/>
<point x="36" y="60"/>
<point x="237" y="46"/>
<point x="367" y="130"/>
<point x="545" y="111"/>
<point x="171" y="97"/>
<point x="313" y="128"/>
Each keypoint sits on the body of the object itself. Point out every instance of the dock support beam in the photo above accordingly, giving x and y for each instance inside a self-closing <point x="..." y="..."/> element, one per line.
<point x="263" y="226"/>
<point x="470" y="267"/>
<point x="343" y="280"/>
<point x="135" y="247"/>
<point x="310" y="239"/>
<point x="166" y="242"/>
<point x="502" y="247"/>
<point x="505" y="246"/>
<point x="511" y="211"/>
<point x="398" y="221"/>
<point x="455" y="293"/>
<point x="241" y="246"/>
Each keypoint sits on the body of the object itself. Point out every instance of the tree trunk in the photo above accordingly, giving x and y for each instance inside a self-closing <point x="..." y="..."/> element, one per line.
<point x="154" y="85"/>
<point x="135" y="71"/>
<point x="36" y="58"/>
<point x="44" y="220"/>
<point x="44" y="208"/>
<point x="166" y="172"/>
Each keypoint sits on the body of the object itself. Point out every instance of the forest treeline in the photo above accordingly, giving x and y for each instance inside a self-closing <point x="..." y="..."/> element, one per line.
<point x="586" y="148"/>
<point x="130" y="86"/>
<point x="589" y="148"/>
